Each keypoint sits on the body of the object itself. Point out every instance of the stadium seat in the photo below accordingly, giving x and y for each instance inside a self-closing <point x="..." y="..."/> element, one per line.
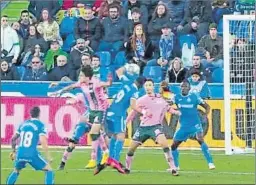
<point x="189" y="39"/>
<point x="153" y="72"/>
<point x="120" y="59"/>
<point x="220" y="27"/>
<point x="21" y="71"/>
<point x="218" y="75"/>
<point x="105" y="58"/>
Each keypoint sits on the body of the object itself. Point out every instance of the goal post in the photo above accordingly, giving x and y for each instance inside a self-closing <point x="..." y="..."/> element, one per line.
<point x="239" y="84"/>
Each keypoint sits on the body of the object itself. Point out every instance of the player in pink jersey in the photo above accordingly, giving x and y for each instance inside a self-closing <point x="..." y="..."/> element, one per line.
<point x="152" y="108"/>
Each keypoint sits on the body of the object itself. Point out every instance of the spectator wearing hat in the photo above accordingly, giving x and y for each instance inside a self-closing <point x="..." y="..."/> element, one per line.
<point x="176" y="72"/>
<point x="52" y="54"/>
<point x="88" y="28"/>
<point x="36" y="7"/>
<point x="62" y="71"/>
<point x="212" y="45"/>
<point x="48" y="27"/>
<point x="115" y="32"/>
<point x="198" y="16"/>
<point x="78" y="50"/>
<point x="159" y="18"/>
<point x="197" y="65"/>
<point x="136" y="4"/>
<point x="35" y="71"/>
<point x="136" y="19"/>
<point x="198" y="85"/>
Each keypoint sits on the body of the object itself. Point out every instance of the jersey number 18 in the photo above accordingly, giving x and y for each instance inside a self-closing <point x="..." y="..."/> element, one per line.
<point x="26" y="139"/>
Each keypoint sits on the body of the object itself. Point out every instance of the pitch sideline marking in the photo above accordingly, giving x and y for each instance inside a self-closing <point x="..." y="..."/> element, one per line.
<point x="155" y="171"/>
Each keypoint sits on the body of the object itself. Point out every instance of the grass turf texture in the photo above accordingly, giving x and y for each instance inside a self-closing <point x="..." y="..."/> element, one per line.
<point x="14" y="8"/>
<point x="149" y="167"/>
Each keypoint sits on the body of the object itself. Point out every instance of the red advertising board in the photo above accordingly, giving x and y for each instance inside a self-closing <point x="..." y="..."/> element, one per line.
<point x="60" y="118"/>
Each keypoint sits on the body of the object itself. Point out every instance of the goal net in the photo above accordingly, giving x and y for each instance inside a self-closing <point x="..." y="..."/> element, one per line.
<point x="239" y="83"/>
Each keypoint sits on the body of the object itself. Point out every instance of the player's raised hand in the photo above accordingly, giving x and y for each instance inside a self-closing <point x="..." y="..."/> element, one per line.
<point x="53" y="84"/>
<point x="12" y="155"/>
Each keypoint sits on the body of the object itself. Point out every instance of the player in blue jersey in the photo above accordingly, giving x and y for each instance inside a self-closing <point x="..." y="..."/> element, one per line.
<point x="190" y="124"/>
<point x="30" y="133"/>
<point x="116" y="116"/>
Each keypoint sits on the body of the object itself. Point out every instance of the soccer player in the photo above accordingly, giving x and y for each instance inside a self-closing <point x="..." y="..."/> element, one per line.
<point x="81" y="129"/>
<point x="30" y="133"/>
<point x="190" y="124"/>
<point x="152" y="107"/>
<point x="116" y="116"/>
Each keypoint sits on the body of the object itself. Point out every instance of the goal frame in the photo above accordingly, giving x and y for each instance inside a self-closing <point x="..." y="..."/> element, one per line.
<point x="227" y="93"/>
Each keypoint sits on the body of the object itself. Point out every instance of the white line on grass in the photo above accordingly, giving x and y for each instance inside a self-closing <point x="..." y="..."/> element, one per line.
<point x="158" y="171"/>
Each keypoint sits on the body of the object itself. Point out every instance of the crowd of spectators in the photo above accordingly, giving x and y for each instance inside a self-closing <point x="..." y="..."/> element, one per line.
<point x="50" y="42"/>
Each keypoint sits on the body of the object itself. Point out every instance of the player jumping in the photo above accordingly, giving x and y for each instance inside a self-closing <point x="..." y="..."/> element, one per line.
<point x="30" y="133"/>
<point x="190" y="124"/>
<point x="152" y="107"/>
<point x="117" y="114"/>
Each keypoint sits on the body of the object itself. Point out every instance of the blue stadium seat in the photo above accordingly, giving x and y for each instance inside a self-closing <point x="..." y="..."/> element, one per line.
<point x="120" y="59"/>
<point x="21" y="71"/>
<point x="189" y="39"/>
<point x="218" y="75"/>
<point x="220" y="27"/>
<point x="105" y="58"/>
<point x="153" y="72"/>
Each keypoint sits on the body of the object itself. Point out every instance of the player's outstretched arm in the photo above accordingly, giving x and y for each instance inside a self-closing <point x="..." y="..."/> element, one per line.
<point x="65" y="89"/>
<point x="14" y="141"/>
<point x="131" y="116"/>
<point x="108" y="83"/>
<point x="173" y="111"/>
<point x="44" y="143"/>
<point x="120" y="72"/>
<point x="206" y="106"/>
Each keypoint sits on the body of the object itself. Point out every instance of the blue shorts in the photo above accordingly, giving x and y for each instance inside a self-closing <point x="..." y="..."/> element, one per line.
<point x="116" y="124"/>
<point x="185" y="132"/>
<point x="80" y="130"/>
<point x="37" y="162"/>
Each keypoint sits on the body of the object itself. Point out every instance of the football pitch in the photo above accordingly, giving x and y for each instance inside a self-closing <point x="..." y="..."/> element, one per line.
<point x="149" y="167"/>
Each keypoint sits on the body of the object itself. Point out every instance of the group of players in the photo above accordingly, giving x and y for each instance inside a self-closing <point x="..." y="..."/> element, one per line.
<point x="106" y="125"/>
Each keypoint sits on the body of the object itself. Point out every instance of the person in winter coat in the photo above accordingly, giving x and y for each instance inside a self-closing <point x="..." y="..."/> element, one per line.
<point x="7" y="72"/>
<point x="176" y="72"/>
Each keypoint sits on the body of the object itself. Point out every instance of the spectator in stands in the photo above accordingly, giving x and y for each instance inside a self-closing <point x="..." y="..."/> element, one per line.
<point x="7" y="72"/>
<point x="52" y="54"/>
<point x="166" y="43"/>
<point x="220" y="9"/>
<point x="115" y="31"/>
<point x="197" y="18"/>
<point x="212" y="45"/>
<point x="34" y="52"/>
<point x="176" y="11"/>
<point x="104" y="7"/>
<point x="10" y="48"/>
<point x="35" y="71"/>
<point x="136" y="18"/>
<point x="83" y="3"/>
<point x="136" y="4"/>
<point x="48" y="27"/>
<point x="139" y="48"/>
<point x="96" y="6"/>
<point x="63" y="71"/>
<point x="25" y="22"/>
<point x="35" y="38"/>
<point x="198" y="85"/>
<point x="16" y="27"/>
<point x="196" y="64"/>
<point x="77" y="52"/>
<point x="176" y="72"/>
<point x="159" y="18"/>
<point x="86" y="60"/>
<point x="88" y="28"/>
<point x="67" y="4"/>
<point x="151" y="5"/>
<point x="36" y="7"/>
<point x="96" y="66"/>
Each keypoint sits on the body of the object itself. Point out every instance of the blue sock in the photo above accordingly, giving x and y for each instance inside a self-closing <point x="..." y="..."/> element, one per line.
<point x="99" y="155"/>
<point x="49" y="177"/>
<point x="119" y="148"/>
<point x="112" y="146"/>
<point x="206" y="152"/>
<point x="12" y="178"/>
<point x="175" y="154"/>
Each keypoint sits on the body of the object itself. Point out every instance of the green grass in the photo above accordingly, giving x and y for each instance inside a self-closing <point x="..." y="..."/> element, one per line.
<point x="14" y="8"/>
<point x="148" y="168"/>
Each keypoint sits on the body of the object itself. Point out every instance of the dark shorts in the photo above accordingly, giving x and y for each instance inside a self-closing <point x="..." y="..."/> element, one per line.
<point x="149" y="132"/>
<point x="97" y="117"/>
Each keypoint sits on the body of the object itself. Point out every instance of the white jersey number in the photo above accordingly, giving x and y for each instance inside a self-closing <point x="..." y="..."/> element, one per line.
<point x="26" y="139"/>
<point x="119" y="96"/>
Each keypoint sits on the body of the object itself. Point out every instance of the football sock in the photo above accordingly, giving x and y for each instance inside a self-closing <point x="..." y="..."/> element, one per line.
<point x="95" y="146"/>
<point x="175" y="154"/>
<point x="67" y="154"/>
<point x="102" y="144"/>
<point x="49" y="177"/>
<point x="112" y="145"/>
<point x="99" y="155"/>
<point x="206" y="153"/>
<point x="12" y="178"/>
<point x="169" y="158"/>
<point x="119" y="148"/>
<point x="128" y="161"/>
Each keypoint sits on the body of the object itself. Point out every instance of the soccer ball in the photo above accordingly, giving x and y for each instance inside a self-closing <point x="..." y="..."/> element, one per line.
<point x="132" y="69"/>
